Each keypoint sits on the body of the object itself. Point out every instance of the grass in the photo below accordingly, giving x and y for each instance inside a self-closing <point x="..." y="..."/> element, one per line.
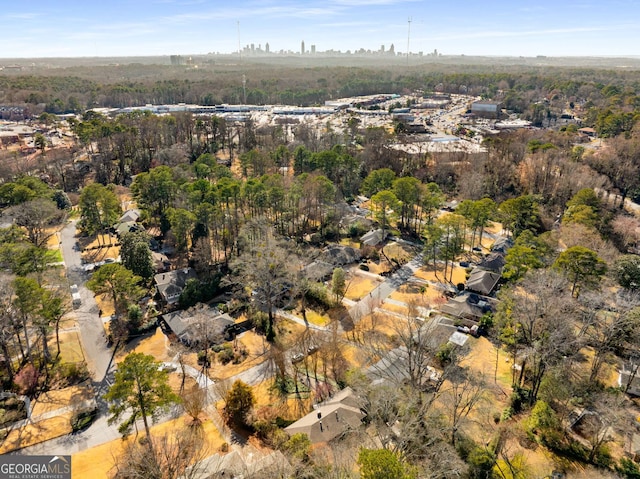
<point x="36" y="433"/>
<point x="155" y="345"/>
<point x="317" y="318"/>
<point x="70" y="347"/>
<point x="59" y="398"/>
<point x="105" y="304"/>
<point x="360" y="286"/>
<point x="410" y="292"/>
<point x="428" y="273"/>
<point x="288" y="407"/>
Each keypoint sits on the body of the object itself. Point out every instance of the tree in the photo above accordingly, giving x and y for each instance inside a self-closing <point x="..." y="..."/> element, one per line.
<point x="338" y="284"/>
<point x="377" y="180"/>
<point x="519" y="214"/>
<point x="136" y="254"/>
<point x="407" y="190"/>
<point x="477" y="213"/>
<point x="238" y="403"/>
<point x="40" y="142"/>
<point x="37" y="217"/>
<point x="383" y="464"/>
<point x="583" y="267"/>
<point x="528" y="252"/>
<point x="533" y="321"/>
<point x="176" y="455"/>
<point x="155" y="191"/>
<point x="140" y="390"/>
<point x="385" y="205"/>
<point x="266" y="268"/>
<point x="99" y="208"/>
<point x="626" y="271"/>
<point x="118" y="282"/>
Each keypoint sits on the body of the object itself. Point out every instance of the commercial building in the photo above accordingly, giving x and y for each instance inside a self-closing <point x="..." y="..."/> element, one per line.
<point x="486" y="109"/>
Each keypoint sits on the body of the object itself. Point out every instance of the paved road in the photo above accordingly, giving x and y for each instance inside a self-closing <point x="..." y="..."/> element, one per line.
<point x="384" y="289"/>
<point x="92" y="333"/>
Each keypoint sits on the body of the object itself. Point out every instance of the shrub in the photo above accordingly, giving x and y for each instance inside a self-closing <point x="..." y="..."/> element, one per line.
<point x="628" y="469"/>
<point x="27" y="380"/>
<point x="226" y="355"/>
<point x="317" y="295"/>
<point x="83" y="419"/>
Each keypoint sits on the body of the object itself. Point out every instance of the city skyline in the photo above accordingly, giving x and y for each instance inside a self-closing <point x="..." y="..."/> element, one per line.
<point x="70" y="28"/>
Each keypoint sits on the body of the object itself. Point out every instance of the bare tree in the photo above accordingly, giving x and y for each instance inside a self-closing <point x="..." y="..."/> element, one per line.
<point x="37" y="217"/>
<point x="177" y="455"/>
<point x="534" y="317"/>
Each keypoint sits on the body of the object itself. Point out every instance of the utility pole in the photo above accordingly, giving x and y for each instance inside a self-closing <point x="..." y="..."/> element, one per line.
<point x="408" y="39"/>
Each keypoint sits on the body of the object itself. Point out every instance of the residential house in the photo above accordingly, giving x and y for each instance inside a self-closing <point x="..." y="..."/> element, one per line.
<point x="482" y="281"/>
<point x="374" y="237"/>
<point x="493" y="262"/>
<point x="188" y="325"/>
<point x="318" y="271"/>
<point x="340" y="255"/>
<point x="502" y="245"/>
<point x="468" y="306"/>
<point x="132" y="215"/>
<point x="161" y="263"/>
<point x="330" y="419"/>
<point x="170" y="284"/>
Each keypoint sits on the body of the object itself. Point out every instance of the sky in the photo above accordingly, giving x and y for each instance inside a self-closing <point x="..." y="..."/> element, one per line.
<point x="75" y="28"/>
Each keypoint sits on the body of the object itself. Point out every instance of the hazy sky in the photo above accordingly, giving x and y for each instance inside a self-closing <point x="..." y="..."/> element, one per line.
<point x="61" y="28"/>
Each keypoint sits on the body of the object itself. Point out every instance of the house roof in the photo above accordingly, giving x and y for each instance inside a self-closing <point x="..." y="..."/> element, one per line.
<point x="493" y="262"/>
<point x="483" y="281"/>
<point x="130" y="215"/>
<point x="502" y="244"/>
<point x="330" y="419"/>
<point x="318" y="270"/>
<point x="182" y="323"/>
<point x="374" y="237"/>
<point x="171" y="283"/>
<point x="339" y="255"/>
<point x="468" y="305"/>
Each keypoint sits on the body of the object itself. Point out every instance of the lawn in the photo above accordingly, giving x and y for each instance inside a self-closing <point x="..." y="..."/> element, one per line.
<point x="59" y="398"/>
<point x="427" y="273"/>
<point x="287" y="407"/>
<point x="155" y="345"/>
<point x="70" y="347"/>
<point x="105" y="304"/>
<point x="360" y="286"/>
<point x="412" y="292"/>
<point x="36" y="433"/>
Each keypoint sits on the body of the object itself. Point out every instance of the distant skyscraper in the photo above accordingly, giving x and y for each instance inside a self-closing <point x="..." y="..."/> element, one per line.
<point x="302" y="48"/>
<point x="381" y="48"/>
<point x="313" y="49"/>
<point x="266" y="47"/>
<point x="392" y="50"/>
